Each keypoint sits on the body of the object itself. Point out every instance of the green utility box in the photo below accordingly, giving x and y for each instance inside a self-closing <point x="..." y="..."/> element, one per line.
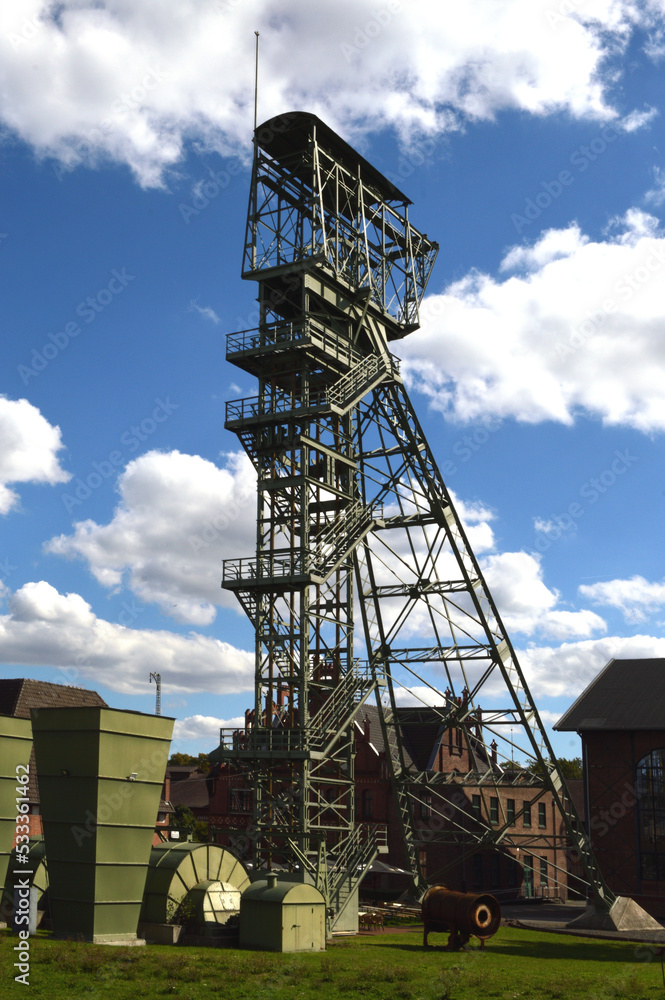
<point x="15" y="747"/>
<point x="282" y="916"/>
<point x="101" y="772"/>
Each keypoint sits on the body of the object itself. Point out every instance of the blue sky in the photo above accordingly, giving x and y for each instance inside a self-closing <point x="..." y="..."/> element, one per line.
<point x="530" y="138"/>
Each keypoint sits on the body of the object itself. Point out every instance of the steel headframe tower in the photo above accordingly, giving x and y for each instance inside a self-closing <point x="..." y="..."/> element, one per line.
<point x="353" y="513"/>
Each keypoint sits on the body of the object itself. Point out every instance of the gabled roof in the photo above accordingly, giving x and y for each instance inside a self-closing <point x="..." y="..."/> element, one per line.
<point x="422" y="730"/>
<point x="192" y="792"/>
<point x="19" y="694"/>
<point x="421" y="734"/>
<point x="376" y="733"/>
<point x="626" y="694"/>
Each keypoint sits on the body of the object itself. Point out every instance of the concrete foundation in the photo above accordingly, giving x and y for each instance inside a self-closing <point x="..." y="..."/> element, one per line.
<point x="625" y="915"/>
<point x="160" y="933"/>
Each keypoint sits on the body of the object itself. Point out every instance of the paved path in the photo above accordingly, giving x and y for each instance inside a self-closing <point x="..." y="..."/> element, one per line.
<point x="553" y="917"/>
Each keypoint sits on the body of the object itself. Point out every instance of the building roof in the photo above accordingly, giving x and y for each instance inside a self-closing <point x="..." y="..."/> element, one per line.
<point x="193" y="792"/>
<point x="289" y="134"/>
<point x="19" y="694"/>
<point x="371" y="713"/>
<point x="627" y="694"/>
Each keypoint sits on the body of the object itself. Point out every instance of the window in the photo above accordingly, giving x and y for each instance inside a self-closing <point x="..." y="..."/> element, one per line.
<point x="494" y="810"/>
<point x="542" y="815"/>
<point x="240" y="800"/>
<point x="366" y="804"/>
<point x="477" y="871"/>
<point x="455" y="742"/>
<point x="513" y="872"/>
<point x="650" y="788"/>
<point x="526" y="815"/>
<point x="475" y="806"/>
<point x="425" y="805"/>
<point x="543" y="871"/>
<point x="510" y="812"/>
<point x="495" y="871"/>
<point x="527" y="863"/>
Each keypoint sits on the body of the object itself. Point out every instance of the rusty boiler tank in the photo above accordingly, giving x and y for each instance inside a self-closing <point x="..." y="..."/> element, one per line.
<point x="462" y="914"/>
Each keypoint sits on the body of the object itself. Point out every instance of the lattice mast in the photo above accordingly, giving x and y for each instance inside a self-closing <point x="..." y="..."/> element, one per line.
<point x="349" y="493"/>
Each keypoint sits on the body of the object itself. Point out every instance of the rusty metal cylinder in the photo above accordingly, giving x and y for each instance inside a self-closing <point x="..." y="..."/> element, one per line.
<point x="465" y="912"/>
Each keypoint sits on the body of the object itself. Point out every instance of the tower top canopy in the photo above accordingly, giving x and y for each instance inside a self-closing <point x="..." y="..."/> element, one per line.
<point x="285" y="136"/>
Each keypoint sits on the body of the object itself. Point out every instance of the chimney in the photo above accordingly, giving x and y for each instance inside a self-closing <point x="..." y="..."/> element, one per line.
<point x="367" y="728"/>
<point x="479" y="723"/>
<point x="271" y="879"/>
<point x="494" y="746"/>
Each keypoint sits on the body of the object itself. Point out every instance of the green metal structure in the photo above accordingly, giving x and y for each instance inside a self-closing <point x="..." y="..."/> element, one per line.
<point x="177" y="870"/>
<point x="101" y="773"/>
<point x="15" y="747"/>
<point x="36" y="870"/>
<point x="353" y="516"/>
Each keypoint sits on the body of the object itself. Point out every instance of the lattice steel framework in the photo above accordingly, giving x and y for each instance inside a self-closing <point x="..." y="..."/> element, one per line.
<point x="353" y="517"/>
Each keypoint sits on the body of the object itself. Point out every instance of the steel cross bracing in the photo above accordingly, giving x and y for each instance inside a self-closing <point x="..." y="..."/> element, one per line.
<point x="354" y="521"/>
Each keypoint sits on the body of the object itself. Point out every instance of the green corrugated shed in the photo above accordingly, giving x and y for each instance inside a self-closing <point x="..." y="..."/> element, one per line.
<point x="282" y="916"/>
<point x="101" y="772"/>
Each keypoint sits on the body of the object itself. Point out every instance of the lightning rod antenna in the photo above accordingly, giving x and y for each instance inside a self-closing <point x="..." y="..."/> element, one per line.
<point x="158" y="700"/>
<point x="256" y="81"/>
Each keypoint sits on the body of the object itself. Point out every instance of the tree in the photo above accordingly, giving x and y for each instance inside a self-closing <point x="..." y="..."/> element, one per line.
<point x="185" y="821"/>
<point x="570" y="767"/>
<point x="181" y="759"/>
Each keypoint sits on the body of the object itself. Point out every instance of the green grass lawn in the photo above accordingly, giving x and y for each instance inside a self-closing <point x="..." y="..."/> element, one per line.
<point x="515" y="964"/>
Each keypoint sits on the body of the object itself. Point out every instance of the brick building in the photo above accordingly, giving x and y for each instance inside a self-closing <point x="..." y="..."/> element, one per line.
<point x="621" y="720"/>
<point x="448" y="806"/>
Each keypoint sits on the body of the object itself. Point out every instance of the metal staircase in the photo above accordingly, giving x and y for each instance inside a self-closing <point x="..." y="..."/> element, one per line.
<point x="367" y="374"/>
<point x="341" y="706"/>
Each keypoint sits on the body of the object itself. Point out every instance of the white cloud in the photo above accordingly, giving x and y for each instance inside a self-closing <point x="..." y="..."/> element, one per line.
<point x="582" y="331"/>
<point x="638" y="119"/>
<point x="656" y="194"/>
<point x="475" y="517"/>
<point x="567" y="669"/>
<point x="206" y="311"/>
<point x="178" y="516"/>
<point x="90" y="79"/>
<point x="204" y="727"/>
<point x="29" y="448"/>
<point x="45" y="628"/>
<point x="635" y="598"/>
<point x="527" y="605"/>
<point x="554" y="244"/>
<point x="417" y="696"/>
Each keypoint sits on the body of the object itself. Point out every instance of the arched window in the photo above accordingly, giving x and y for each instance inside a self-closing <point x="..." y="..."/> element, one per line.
<point x="650" y="782"/>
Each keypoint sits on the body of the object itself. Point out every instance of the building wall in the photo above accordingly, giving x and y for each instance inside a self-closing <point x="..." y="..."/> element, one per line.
<point x="230" y="807"/>
<point x="610" y="760"/>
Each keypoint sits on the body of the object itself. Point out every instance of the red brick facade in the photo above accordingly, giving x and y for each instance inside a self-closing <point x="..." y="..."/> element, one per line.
<point x="611" y="762"/>
<point x="225" y="802"/>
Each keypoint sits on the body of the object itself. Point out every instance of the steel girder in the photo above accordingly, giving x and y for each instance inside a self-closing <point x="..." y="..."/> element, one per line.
<point x="354" y="521"/>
